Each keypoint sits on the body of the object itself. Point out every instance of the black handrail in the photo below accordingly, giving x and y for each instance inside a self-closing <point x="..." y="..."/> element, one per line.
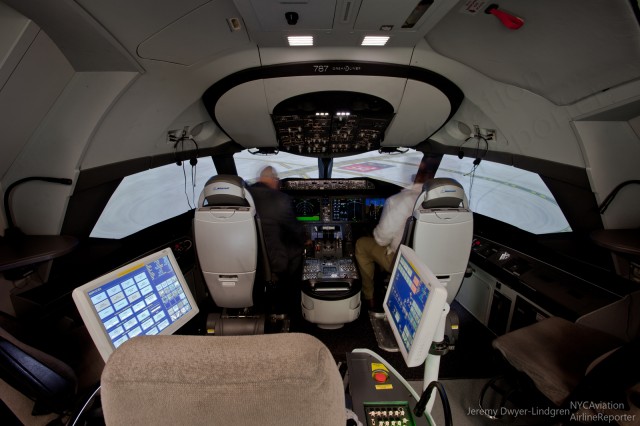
<point x="605" y="204"/>
<point x="7" y="194"/>
<point x="424" y="398"/>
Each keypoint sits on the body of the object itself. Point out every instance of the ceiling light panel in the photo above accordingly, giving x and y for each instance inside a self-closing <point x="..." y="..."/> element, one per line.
<point x="375" y="40"/>
<point x="300" y="40"/>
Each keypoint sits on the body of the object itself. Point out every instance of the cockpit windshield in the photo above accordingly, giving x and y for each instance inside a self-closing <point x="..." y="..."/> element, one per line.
<point x="508" y="194"/>
<point x="398" y="169"/>
<point x="287" y="165"/>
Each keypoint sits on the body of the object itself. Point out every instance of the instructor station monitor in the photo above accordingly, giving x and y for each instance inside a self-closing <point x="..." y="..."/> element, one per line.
<point x="413" y="305"/>
<point x="145" y="297"/>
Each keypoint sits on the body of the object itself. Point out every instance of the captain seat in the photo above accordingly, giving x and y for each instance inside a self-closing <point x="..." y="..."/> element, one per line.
<point x="441" y="230"/>
<point x="232" y="256"/>
<point x="226" y="241"/>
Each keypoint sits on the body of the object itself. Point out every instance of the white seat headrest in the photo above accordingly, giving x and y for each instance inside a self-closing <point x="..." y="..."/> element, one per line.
<point x="225" y="190"/>
<point x="443" y="193"/>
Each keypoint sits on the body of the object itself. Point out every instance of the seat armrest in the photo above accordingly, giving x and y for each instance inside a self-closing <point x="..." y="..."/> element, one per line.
<point x="50" y="390"/>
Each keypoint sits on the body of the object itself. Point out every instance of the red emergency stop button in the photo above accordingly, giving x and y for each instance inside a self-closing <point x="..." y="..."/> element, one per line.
<point x="380" y="376"/>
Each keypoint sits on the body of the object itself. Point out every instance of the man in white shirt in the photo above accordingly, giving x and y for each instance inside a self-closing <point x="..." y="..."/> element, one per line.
<point x="382" y="247"/>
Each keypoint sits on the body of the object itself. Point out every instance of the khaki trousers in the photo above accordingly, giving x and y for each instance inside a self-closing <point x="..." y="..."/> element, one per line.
<point x="368" y="253"/>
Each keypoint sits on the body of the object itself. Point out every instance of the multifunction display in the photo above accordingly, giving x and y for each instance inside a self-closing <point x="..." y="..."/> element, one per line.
<point x="338" y="209"/>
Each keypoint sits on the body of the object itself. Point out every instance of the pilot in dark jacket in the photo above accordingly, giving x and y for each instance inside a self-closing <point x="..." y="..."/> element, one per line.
<point x="283" y="234"/>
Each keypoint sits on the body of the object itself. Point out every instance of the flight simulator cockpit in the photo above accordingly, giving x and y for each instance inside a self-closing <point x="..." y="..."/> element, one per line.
<point x="150" y="296"/>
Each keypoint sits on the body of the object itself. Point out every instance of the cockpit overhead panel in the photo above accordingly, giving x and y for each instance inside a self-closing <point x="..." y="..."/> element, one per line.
<point x="329" y="123"/>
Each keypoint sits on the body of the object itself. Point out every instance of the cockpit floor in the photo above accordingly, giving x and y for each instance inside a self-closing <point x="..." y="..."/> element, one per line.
<point x="473" y="356"/>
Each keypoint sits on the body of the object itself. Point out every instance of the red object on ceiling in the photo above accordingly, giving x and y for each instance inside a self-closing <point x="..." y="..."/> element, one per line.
<point x="508" y="20"/>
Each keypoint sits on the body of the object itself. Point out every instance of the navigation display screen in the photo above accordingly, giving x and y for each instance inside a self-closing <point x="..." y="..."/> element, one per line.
<point x="373" y="208"/>
<point x="307" y="209"/>
<point x="346" y="210"/>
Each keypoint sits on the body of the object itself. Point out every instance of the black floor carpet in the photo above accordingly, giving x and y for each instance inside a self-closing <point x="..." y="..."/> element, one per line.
<point x="472" y="358"/>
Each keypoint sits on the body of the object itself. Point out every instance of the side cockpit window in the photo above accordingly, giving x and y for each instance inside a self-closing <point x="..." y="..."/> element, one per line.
<point x="506" y="193"/>
<point x="152" y="196"/>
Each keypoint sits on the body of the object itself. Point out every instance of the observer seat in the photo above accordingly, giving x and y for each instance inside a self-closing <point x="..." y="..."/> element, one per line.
<point x="569" y="361"/>
<point x="279" y="379"/>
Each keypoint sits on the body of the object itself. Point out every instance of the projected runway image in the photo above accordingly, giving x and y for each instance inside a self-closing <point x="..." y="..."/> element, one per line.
<point x="506" y="193"/>
<point x="502" y="192"/>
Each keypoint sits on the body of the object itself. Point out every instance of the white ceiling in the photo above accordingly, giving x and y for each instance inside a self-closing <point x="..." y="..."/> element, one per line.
<point x="565" y="51"/>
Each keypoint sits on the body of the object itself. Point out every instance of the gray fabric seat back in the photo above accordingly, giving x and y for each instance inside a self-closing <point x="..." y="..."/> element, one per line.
<point x="281" y="379"/>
